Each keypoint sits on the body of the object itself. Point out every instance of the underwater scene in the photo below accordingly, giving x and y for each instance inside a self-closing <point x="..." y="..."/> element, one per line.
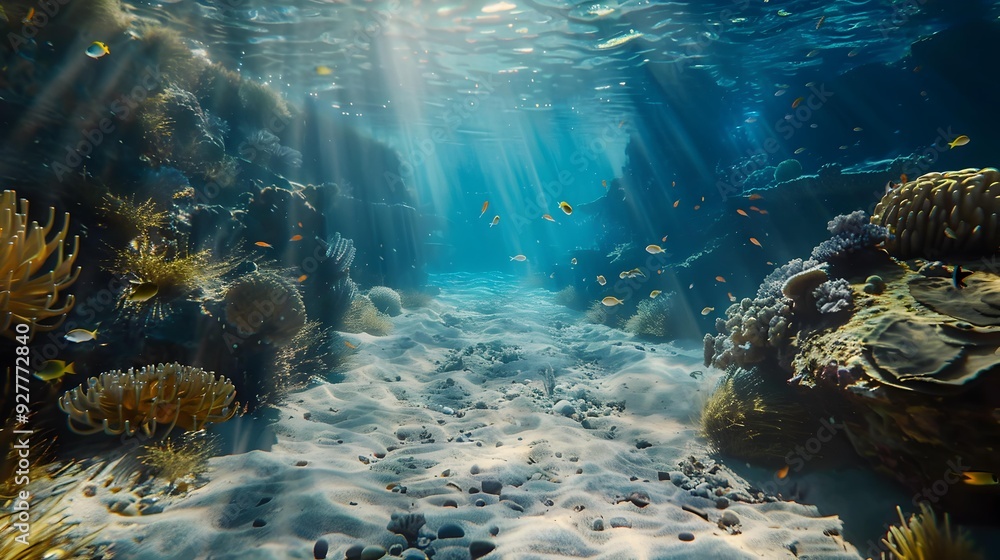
<point x="515" y="279"/>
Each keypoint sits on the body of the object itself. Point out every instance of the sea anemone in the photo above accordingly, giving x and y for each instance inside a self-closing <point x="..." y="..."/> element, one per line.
<point x="123" y="402"/>
<point x="28" y="295"/>
<point x="922" y="538"/>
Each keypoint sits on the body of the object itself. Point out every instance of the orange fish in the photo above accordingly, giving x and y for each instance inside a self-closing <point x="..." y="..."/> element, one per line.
<point x="677" y="202"/>
<point x="300" y="224"/>
<point x="755" y="196"/>
<point x="783" y="472"/>
<point x="755" y="242"/>
<point x="548" y="217"/>
<point x="742" y="212"/>
<point x="732" y="298"/>
<point x="664" y="239"/>
<point x="902" y="178"/>
<point x="720" y="279"/>
<point x="349" y="345"/>
<point x="303" y="277"/>
<point x="29" y="17"/>
<point x="485" y="206"/>
<point x="263" y="244"/>
<point x="296" y="237"/>
<point x="755" y="209"/>
<point x="798" y="101"/>
<point x="763" y="212"/>
<point x="604" y="183"/>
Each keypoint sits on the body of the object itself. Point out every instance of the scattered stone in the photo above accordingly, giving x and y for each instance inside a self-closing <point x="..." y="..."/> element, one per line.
<point x="696" y="511"/>
<point x="480" y="503"/>
<point x="514" y="506"/>
<point x="686" y="537"/>
<point x="372" y="552"/>
<point x="414" y="554"/>
<point x="90" y="490"/>
<point x="354" y="552"/>
<point x="643" y="444"/>
<point x="722" y="503"/>
<point x="478" y="549"/>
<point x="450" y="503"/>
<point x="494" y="530"/>
<point x="639" y="499"/>
<point x="661" y="475"/>
<point x="492" y="487"/>
<point x="259" y="522"/>
<point x="320" y="549"/>
<point x="450" y="531"/>
<point x="564" y="408"/>
<point x="395" y="550"/>
<point x="728" y="519"/>
<point x="620" y="522"/>
<point x="474" y="469"/>
<point x="598" y="524"/>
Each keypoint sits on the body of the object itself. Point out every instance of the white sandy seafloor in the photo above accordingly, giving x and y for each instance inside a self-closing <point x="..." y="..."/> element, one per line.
<point x="398" y="435"/>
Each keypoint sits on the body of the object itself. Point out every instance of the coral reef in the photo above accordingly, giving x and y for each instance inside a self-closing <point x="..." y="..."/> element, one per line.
<point x="923" y="538"/>
<point x="178" y="132"/>
<point x="266" y="305"/>
<point x="834" y="296"/>
<point x="850" y="233"/>
<point x="29" y="293"/>
<point x="943" y="214"/>
<point x="120" y="402"/>
<point x="787" y="170"/>
<point x="386" y="300"/>
<point x="363" y="317"/>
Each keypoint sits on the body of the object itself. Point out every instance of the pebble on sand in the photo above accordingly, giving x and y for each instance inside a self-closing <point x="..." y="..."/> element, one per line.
<point x="686" y="537"/>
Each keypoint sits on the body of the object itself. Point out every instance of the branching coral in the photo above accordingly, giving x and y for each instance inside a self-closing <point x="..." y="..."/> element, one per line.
<point x="923" y="538"/>
<point x="124" y="402"/>
<point x="28" y="295"/>
<point x="850" y="233"/>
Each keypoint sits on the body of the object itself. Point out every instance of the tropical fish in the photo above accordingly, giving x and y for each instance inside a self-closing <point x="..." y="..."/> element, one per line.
<point x="979" y="478"/>
<point x="264" y="244"/>
<point x="958" y="277"/>
<point x="601" y="280"/>
<point x="755" y="196"/>
<point x="348" y="344"/>
<point x="604" y="183"/>
<point x="903" y="178"/>
<point x="664" y="239"/>
<point x="302" y="278"/>
<point x="653" y="249"/>
<point x="54" y="369"/>
<point x="783" y="472"/>
<point x="296" y="237"/>
<point x="707" y="310"/>
<point x="143" y="291"/>
<point x="485" y="206"/>
<point x="97" y="49"/>
<point x="677" y="203"/>
<point x="960" y="141"/>
<point x="30" y="16"/>
<point x="548" y="217"/>
<point x="858" y="129"/>
<point x="720" y="279"/>
<point x="742" y="212"/>
<point x="572" y="261"/>
<point x="496" y="220"/>
<point x="812" y="53"/>
<point x="820" y="21"/>
<point x="566" y="208"/>
<point x="799" y="151"/>
<point x="519" y="258"/>
<point x="731" y="297"/>
<point x="654" y="293"/>
<point x="755" y="242"/>
<point x="798" y="101"/>
<point x="322" y="70"/>
<point x="950" y="233"/>
<point x="81" y="335"/>
<point x="697" y="206"/>
<point x="755" y="209"/>
<point x="611" y="301"/>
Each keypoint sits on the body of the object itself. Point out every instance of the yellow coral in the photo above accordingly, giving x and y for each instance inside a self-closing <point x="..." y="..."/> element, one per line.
<point x="172" y="461"/>
<point x="924" y="539"/>
<point x="28" y="295"/>
<point x="123" y="402"/>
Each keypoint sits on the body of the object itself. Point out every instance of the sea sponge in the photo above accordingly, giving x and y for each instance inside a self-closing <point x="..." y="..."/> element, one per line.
<point x="267" y="305"/>
<point x="386" y="300"/>
<point x="923" y="538"/>
<point x="120" y="402"/>
<point x="363" y="317"/>
<point x="788" y="170"/>
<point x="27" y="294"/>
<point x="941" y="215"/>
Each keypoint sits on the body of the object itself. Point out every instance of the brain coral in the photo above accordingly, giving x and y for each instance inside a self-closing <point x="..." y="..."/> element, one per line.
<point x="938" y="214"/>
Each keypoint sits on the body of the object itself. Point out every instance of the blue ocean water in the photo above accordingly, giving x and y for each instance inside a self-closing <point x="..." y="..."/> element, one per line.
<point x="626" y="260"/>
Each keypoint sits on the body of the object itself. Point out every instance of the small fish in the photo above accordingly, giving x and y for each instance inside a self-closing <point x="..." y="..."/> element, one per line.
<point x="611" y="301"/>
<point x="755" y="209"/>
<point x="81" y="335"/>
<point x="731" y="297"/>
<point x="30" y="16"/>
<point x="348" y="344"/>
<point x="573" y="261"/>
<point x="663" y="239"/>
<point x="950" y="233"/>
<point x="858" y="129"/>
<point x="302" y="278"/>
<point x="903" y="178"/>
<point x="755" y="242"/>
<point x="673" y="184"/>
<point x="677" y="203"/>
<point x="780" y="92"/>
<point x="697" y="206"/>
<point x="812" y="53"/>
<point x="820" y="21"/>
<point x="958" y="277"/>
<point x="485" y="206"/>
<point x="918" y="68"/>
<point x="264" y="244"/>
<point x="853" y="53"/>
<point x="143" y="291"/>
<point x="799" y="151"/>
<point x="636" y="272"/>
<point x="798" y="101"/>
<point x="979" y="478"/>
<point x="601" y="280"/>
<point x="762" y="212"/>
<point x="750" y="120"/>
<point x="755" y="196"/>
<point x="742" y="212"/>
<point x="783" y="472"/>
<point x="496" y="220"/>
<point x="604" y="183"/>
<point x="54" y="369"/>
<point x="784" y="13"/>
<point x="548" y="217"/>
<point x="98" y="49"/>
<point x="519" y="258"/>
<point x="720" y="279"/>
<point x="322" y="70"/>
<point x="654" y="293"/>
<point x="653" y="249"/>
<point x="296" y="237"/>
<point x="707" y="310"/>
<point x="960" y="141"/>
<point x="566" y="208"/>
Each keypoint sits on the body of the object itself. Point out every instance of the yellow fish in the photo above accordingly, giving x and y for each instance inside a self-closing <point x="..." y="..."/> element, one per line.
<point x="654" y="293"/>
<point x="566" y="208"/>
<point x="960" y="141"/>
<point x="143" y="291"/>
<point x="653" y="249"/>
<point x="601" y="280"/>
<point x="604" y="183"/>
<point x="979" y="478"/>
<point x="54" y="369"/>
<point x="97" y="49"/>
<point x="322" y="70"/>
<point x="611" y="301"/>
<point x="707" y="310"/>
<point x="30" y="16"/>
<point x="485" y="206"/>
<point x="519" y="258"/>
<point x="349" y="345"/>
<point x="496" y="220"/>
<point x="81" y="335"/>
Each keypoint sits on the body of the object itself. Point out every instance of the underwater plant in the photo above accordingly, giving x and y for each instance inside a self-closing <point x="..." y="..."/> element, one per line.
<point x="363" y="317"/>
<point x="27" y="293"/>
<point x="266" y="305"/>
<point x="414" y="299"/>
<point x="788" y="170"/>
<point x="652" y="317"/>
<point x="748" y="418"/>
<point x="133" y="219"/>
<point x="923" y="538"/>
<point x="51" y="532"/>
<point x="120" y="402"/>
<point x="172" y="460"/>
<point x="386" y="300"/>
